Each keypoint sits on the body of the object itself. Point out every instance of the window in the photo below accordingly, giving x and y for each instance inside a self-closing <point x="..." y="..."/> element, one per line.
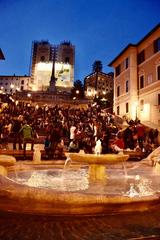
<point x="141" y="81"/>
<point x="118" y="70"/>
<point x="127" y="107"/>
<point x="126" y="63"/>
<point x="158" y="99"/>
<point x="141" y="105"/>
<point x="118" y="110"/>
<point x="157" y="45"/>
<point x="158" y="72"/>
<point x="127" y="86"/>
<point x="118" y="91"/>
<point x="21" y="88"/>
<point x="141" y="57"/>
<point x="67" y="60"/>
<point x="42" y="58"/>
<point x="22" y="82"/>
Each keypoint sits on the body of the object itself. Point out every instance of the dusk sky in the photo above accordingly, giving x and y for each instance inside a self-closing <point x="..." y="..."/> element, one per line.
<point x="99" y="29"/>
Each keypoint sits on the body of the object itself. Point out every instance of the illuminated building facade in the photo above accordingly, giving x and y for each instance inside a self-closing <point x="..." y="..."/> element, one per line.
<point x="42" y="61"/>
<point x="11" y="84"/>
<point x="137" y="80"/>
<point x="98" y="84"/>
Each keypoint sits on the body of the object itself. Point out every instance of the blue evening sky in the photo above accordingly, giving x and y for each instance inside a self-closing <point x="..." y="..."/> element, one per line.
<point x="99" y="29"/>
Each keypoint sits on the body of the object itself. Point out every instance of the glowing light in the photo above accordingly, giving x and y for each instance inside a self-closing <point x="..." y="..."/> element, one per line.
<point x="29" y="95"/>
<point x="89" y="94"/>
<point x="34" y="88"/>
<point x="43" y="72"/>
<point x="42" y="66"/>
<point x="36" y="107"/>
<point x="12" y="86"/>
<point x="77" y="91"/>
<point x="146" y="112"/>
<point x="134" y="110"/>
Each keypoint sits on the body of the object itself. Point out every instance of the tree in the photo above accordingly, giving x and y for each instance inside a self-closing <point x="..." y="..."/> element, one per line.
<point x="97" y="66"/>
<point x="78" y="90"/>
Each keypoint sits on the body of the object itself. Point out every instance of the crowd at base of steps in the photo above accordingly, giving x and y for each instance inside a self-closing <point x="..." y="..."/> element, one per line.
<point x="74" y="129"/>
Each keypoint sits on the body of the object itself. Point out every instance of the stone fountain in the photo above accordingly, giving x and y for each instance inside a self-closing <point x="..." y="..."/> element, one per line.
<point x="98" y="163"/>
<point x="49" y="189"/>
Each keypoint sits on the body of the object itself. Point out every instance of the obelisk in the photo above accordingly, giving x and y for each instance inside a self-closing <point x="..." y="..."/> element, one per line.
<point x="52" y="87"/>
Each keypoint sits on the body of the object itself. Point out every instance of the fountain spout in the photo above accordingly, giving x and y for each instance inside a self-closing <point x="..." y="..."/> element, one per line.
<point x="67" y="161"/>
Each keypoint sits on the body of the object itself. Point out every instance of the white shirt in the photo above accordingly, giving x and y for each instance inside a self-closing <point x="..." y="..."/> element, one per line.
<point x="72" y="132"/>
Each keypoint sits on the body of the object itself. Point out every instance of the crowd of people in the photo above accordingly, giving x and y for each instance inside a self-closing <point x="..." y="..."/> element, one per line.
<point x="72" y="129"/>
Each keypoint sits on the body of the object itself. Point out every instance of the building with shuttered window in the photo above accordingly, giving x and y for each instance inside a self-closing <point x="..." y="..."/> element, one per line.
<point x="137" y="80"/>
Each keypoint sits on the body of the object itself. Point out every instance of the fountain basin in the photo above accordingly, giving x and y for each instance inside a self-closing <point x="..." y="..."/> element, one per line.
<point x="34" y="201"/>
<point x="6" y="160"/>
<point x="98" y="163"/>
<point x="102" y="159"/>
<point x="21" y="198"/>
